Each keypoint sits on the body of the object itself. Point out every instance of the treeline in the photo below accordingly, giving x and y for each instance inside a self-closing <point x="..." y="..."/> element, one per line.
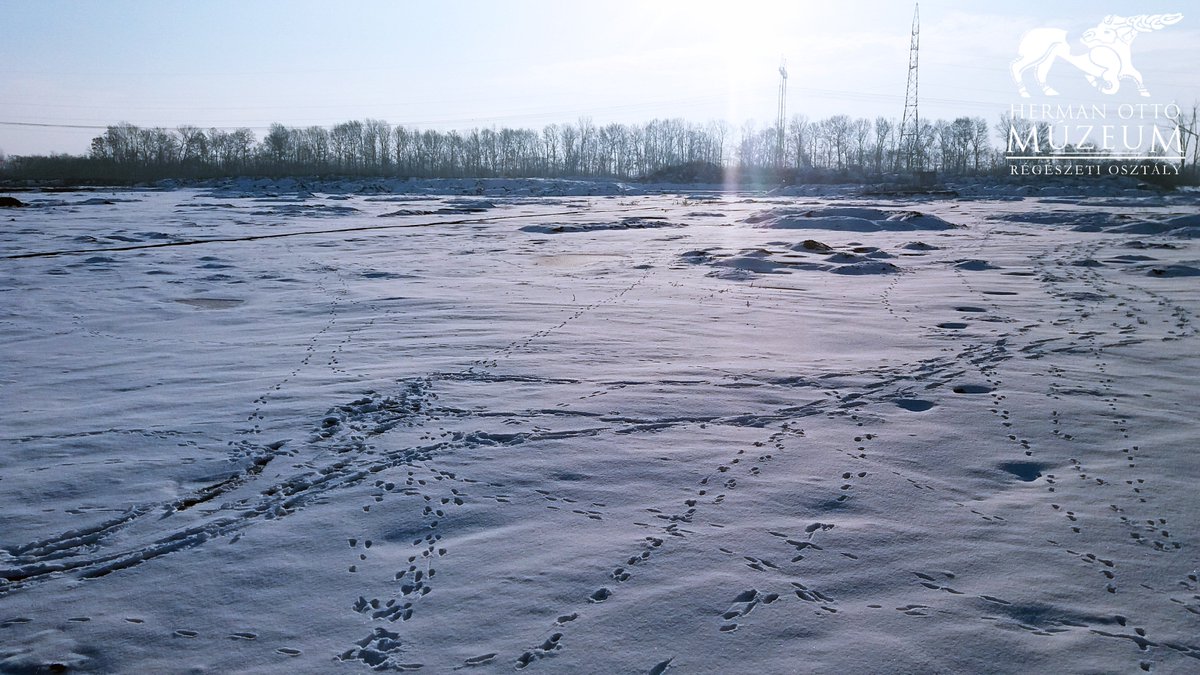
<point x="838" y="144"/>
<point x="837" y="147"/>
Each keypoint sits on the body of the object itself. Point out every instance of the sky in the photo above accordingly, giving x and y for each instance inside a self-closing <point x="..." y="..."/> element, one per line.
<point x="73" y="67"/>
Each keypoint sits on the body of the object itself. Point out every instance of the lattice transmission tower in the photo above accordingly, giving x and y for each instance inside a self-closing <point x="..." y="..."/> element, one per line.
<point x="910" y="124"/>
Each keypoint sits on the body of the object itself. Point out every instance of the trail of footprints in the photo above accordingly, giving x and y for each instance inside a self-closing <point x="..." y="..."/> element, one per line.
<point x="523" y="343"/>
<point x="713" y="490"/>
<point x="383" y="648"/>
<point x="348" y="430"/>
<point x="986" y="360"/>
<point x="1151" y="531"/>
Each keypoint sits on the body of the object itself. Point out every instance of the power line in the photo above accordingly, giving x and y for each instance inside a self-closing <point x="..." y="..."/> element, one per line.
<point x="811" y="92"/>
<point x="51" y="126"/>
<point x="672" y="105"/>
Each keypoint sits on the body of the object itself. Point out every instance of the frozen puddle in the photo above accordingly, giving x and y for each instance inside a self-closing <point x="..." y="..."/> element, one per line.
<point x="603" y="434"/>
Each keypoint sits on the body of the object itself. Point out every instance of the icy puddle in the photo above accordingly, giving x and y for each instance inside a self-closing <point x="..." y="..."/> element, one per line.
<point x="630" y="434"/>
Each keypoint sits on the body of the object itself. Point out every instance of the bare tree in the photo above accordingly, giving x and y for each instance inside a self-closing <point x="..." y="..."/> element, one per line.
<point x="978" y="142"/>
<point x="193" y="143"/>
<point x="570" y="151"/>
<point x="798" y="132"/>
<point x="278" y="146"/>
<point x="839" y="138"/>
<point x="860" y="133"/>
<point x="882" y="142"/>
<point x="550" y="141"/>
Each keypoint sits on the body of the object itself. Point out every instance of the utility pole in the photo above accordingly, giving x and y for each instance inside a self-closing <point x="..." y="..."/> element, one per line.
<point x="910" y="124"/>
<point x="779" y="124"/>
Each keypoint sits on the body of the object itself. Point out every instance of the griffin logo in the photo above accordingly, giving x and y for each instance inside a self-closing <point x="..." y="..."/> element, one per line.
<point x="1107" y="60"/>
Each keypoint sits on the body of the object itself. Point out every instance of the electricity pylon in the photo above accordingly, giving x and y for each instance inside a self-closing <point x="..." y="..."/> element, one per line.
<point x="910" y="124"/>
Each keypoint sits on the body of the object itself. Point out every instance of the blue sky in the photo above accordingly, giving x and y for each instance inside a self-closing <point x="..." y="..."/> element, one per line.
<point x="474" y="63"/>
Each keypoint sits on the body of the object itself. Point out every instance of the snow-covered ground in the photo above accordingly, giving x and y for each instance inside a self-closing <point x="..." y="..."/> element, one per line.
<point x="246" y="431"/>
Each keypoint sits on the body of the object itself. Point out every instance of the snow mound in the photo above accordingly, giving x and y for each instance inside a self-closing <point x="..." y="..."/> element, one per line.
<point x="868" y="267"/>
<point x="1079" y="221"/>
<point x="812" y="245"/>
<point x="406" y="212"/>
<point x="915" y="220"/>
<point x="751" y="264"/>
<point x="695" y="257"/>
<point x="975" y="265"/>
<point x="1184" y="227"/>
<point x="319" y="210"/>
<point x="871" y="252"/>
<point x="1170" y="271"/>
<point x="744" y="265"/>
<point x="920" y="246"/>
<point x="844" y="258"/>
<point x="1141" y="245"/>
<point x="633" y="223"/>
<point x="862" y="212"/>
<point x="846" y="219"/>
<point x="831" y="223"/>
<point x="91" y="201"/>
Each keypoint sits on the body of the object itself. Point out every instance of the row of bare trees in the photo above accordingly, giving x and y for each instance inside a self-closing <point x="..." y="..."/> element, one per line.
<point x="834" y="146"/>
<point x="869" y="147"/>
<point x="373" y="147"/>
<point x="187" y="146"/>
